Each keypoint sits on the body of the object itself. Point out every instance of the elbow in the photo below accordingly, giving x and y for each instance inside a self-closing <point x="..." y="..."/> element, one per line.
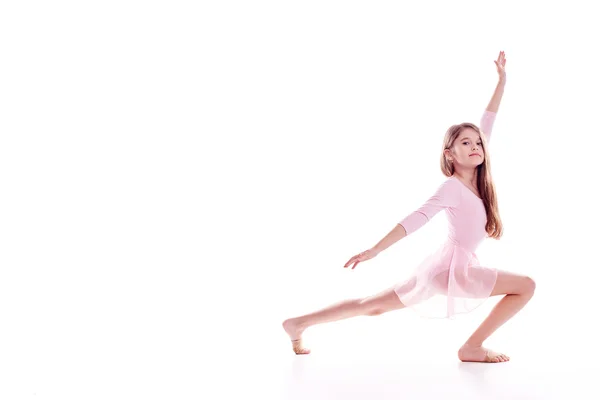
<point x="402" y="230"/>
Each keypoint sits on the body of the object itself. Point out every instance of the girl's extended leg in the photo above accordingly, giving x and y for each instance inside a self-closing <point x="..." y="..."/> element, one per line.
<point x="518" y="290"/>
<point x="373" y="305"/>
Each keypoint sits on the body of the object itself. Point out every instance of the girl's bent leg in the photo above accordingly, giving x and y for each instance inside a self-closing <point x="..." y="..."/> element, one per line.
<point x="519" y="290"/>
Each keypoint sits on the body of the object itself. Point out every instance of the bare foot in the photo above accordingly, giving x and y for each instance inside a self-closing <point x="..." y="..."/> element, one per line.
<point x="295" y="333"/>
<point x="469" y="353"/>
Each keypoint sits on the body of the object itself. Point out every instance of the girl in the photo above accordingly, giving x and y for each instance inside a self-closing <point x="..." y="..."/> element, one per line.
<point x="452" y="276"/>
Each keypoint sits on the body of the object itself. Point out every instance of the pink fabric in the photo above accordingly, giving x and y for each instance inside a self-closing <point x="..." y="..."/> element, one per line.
<point x="451" y="281"/>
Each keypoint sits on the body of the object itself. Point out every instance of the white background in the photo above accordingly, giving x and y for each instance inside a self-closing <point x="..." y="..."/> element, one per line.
<point x="176" y="178"/>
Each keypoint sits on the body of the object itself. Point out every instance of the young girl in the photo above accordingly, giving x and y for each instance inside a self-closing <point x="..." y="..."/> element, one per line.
<point x="451" y="277"/>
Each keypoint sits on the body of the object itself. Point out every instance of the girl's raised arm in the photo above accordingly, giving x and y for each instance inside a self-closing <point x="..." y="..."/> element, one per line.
<point x="489" y="115"/>
<point x="497" y="97"/>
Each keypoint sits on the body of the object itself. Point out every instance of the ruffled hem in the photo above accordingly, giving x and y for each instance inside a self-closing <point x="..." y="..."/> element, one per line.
<point x="448" y="282"/>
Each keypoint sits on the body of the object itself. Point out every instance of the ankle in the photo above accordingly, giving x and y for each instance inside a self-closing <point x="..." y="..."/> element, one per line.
<point x="473" y="343"/>
<point x="300" y="324"/>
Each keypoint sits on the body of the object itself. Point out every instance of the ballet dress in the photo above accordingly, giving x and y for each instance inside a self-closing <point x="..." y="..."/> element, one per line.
<point x="450" y="280"/>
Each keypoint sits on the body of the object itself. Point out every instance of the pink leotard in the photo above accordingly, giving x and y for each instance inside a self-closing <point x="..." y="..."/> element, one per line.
<point x="451" y="280"/>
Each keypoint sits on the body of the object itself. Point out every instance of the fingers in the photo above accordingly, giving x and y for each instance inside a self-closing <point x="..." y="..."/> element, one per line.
<point x="359" y="259"/>
<point x="501" y="62"/>
<point x="501" y="59"/>
<point x="354" y="260"/>
<point x="365" y="255"/>
<point x="351" y="261"/>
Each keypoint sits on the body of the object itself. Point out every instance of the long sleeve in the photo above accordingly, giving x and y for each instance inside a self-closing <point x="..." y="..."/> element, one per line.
<point x="447" y="195"/>
<point x="487" y="123"/>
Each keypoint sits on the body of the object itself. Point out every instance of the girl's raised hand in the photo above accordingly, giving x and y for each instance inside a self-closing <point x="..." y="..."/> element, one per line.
<point x="500" y="65"/>
<point x="364" y="256"/>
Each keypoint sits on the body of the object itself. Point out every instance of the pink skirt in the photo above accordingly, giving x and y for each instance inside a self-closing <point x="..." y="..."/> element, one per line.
<point x="448" y="282"/>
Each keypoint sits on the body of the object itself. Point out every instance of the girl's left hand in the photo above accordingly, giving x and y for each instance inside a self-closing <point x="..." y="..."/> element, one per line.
<point x="500" y="63"/>
<point x="364" y="256"/>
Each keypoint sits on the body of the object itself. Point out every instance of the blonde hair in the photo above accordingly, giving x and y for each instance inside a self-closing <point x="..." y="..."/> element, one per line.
<point x="485" y="184"/>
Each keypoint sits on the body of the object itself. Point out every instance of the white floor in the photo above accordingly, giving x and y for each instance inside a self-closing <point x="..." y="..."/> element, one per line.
<point x="396" y="373"/>
<point x="352" y="365"/>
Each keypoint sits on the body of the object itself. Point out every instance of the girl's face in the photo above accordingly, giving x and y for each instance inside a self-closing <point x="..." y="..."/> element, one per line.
<point x="467" y="149"/>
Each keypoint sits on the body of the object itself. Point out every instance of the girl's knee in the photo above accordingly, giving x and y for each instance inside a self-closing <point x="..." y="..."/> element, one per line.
<point x="368" y="306"/>
<point x="372" y="306"/>
<point x="375" y="311"/>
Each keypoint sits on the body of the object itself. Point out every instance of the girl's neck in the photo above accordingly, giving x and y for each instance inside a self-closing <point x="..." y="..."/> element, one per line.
<point x="469" y="177"/>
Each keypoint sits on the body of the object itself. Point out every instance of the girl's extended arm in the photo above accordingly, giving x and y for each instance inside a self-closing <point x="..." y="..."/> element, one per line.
<point x="494" y="103"/>
<point x="448" y="194"/>
<point x="395" y="235"/>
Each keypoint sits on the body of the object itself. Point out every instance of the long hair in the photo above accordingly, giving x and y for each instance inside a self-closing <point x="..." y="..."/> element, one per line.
<point x="485" y="184"/>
